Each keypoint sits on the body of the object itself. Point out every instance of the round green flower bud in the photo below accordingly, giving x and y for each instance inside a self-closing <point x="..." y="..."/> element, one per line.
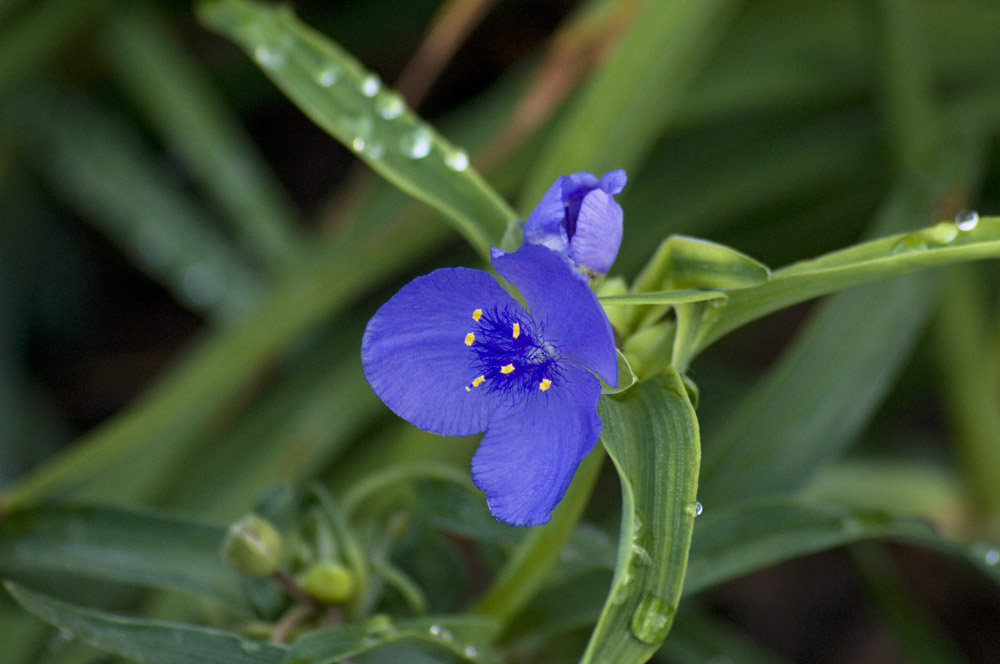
<point x="253" y="546"/>
<point x="328" y="581"/>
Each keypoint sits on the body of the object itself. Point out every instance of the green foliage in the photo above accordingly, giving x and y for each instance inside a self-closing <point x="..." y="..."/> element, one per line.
<point x="188" y="159"/>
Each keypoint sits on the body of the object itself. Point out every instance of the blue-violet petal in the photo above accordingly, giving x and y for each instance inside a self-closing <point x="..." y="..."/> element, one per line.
<point x="546" y="223"/>
<point x="416" y="356"/>
<point x="613" y="182"/>
<point x="533" y="445"/>
<point x="570" y="317"/>
<point x="598" y="232"/>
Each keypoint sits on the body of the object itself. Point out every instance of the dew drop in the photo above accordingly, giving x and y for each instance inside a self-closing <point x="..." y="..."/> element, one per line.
<point x="909" y="243"/>
<point x="652" y="619"/>
<point x="440" y="632"/>
<point x="457" y="160"/>
<point x="380" y="625"/>
<point x="624" y="588"/>
<point x="966" y="220"/>
<point x="327" y="76"/>
<point x="417" y="143"/>
<point x="698" y="508"/>
<point x="470" y="651"/>
<point x="267" y="58"/>
<point x="371" y="85"/>
<point x="362" y="130"/>
<point x="943" y="233"/>
<point x="390" y="105"/>
<point x="639" y="554"/>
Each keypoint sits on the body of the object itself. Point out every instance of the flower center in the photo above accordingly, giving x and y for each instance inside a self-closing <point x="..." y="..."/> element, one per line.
<point x="510" y="356"/>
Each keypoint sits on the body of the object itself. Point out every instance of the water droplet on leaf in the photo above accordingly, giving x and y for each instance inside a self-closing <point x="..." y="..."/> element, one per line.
<point x="909" y="243"/>
<point x="652" y="619"/>
<point x="624" y="588"/>
<point x="380" y="625"/>
<point x="943" y="233"/>
<point x="417" y="143"/>
<point x="390" y="105"/>
<point x="966" y="220"/>
<point x="698" y="508"/>
<point x="371" y="85"/>
<point x="250" y="647"/>
<point x="457" y="160"/>
<point x="440" y="632"/>
<point x="470" y="651"/>
<point x="268" y="58"/>
<point x="327" y="76"/>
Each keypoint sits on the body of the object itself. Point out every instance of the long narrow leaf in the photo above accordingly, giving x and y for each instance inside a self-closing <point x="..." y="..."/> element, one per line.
<point x="148" y="641"/>
<point x="634" y="96"/>
<point x="104" y="167"/>
<point x="175" y="94"/>
<point x="940" y="245"/>
<point x="651" y="434"/>
<point x="347" y="101"/>
<point x="744" y="537"/>
<point x="118" y="546"/>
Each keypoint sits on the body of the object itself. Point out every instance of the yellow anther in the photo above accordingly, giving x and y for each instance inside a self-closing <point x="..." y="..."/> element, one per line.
<point x="477" y="314"/>
<point x="545" y="384"/>
<point x="478" y="380"/>
<point x="507" y="368"/>
<point x="469" y="338"/>
<point x="517" y="330"/>
<point x="468" y="389"/>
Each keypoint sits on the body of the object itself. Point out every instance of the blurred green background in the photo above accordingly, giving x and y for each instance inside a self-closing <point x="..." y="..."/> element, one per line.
<point x="187" y="261"/>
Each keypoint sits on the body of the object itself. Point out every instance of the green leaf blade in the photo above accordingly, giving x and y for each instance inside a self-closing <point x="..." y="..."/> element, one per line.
<point x="940" y="245"/>
<point x="148" y="641"/>
<point x="174" y="93"/>
<point x="651" y="434"/>
<point x="740" y="538"/>
<point x="118" y="546"/>
<point x="349" y="103"/>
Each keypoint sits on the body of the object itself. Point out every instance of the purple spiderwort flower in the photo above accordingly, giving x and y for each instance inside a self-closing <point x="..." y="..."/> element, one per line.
<point x="453" y="353"/>
<point x="579" y="218"/>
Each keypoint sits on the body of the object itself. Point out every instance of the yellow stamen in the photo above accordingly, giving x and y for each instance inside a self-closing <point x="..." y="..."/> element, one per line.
<point x="478" y="380"/>
<point x="468" y="389"/>
<point x="469" y="338"/>
<point x="545" y="384"/>
<point x="477" y="314"/>
<point x="517" y="330"/>
<point x="507" y="368"/>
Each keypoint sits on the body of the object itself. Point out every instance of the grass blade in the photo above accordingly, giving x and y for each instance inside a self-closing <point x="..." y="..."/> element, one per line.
<point x="195" y="122"/>
<point x="148" y="641"/>
<point x="348" y="102"/>
<point x="651" y="434"/>
<point x="118" y="546"/>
